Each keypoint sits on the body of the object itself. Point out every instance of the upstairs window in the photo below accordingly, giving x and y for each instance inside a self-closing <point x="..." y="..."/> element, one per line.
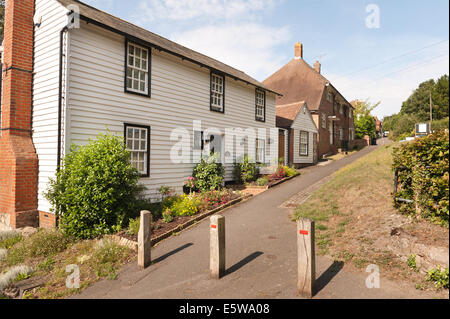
<point x="260" y="109"/>
<point x="260" y="147"/>
<point x="137" y="69"/>
<point x="324" y="120"/>
<point x="217" y="92"/>
<point x="137" y="140"/>
<point x="329" y="97"/>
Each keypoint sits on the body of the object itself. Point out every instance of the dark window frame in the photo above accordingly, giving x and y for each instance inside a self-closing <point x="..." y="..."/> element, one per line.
<point x="211" y="107"/>
<point x="202" y="143"/>
<point x="149" y="67"/>
<point x="300" y="143"/>
<point x="264" y="112"/>
<point x="125" y="126"/>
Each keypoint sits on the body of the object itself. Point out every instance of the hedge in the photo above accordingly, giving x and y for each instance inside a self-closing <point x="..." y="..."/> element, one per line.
<point x="423" y="177"/>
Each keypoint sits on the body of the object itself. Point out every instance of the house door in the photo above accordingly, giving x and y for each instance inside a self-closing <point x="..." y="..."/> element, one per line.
<point x="281" y="148"/>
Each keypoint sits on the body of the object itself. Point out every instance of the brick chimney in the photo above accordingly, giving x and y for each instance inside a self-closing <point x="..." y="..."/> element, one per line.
<point x="317" y="66"/>
<point x="298" y="51"/>
<point x="18" y="159"/>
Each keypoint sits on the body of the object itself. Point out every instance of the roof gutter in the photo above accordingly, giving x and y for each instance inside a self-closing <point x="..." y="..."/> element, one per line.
<point x="138" y="40"/>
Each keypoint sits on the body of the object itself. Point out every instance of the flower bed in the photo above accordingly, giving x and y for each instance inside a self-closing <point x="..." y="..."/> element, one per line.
<point x="200" y="205"/>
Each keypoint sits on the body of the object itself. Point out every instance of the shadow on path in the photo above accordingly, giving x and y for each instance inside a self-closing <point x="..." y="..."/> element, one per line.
<point x="327" y="275"/>
<point x="243" y="262"/>
<point x="173" y="252"/>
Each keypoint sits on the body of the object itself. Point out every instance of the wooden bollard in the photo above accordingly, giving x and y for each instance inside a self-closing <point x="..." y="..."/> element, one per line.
<point x="306" y="257"/>
<point x="144" y="239"/>
<point x="217" y="246"/>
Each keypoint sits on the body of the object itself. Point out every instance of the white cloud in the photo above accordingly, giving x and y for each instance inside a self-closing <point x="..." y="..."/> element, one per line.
<point x="395" y="86"/>
<point x="249" y="47"/>
<point x="191" y="9"/>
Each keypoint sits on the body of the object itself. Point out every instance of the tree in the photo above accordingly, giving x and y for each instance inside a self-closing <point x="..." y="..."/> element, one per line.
<point x="365" y="125"/>
<point x="364" y="121"/>
<point x="417" y="108"/>
<point x="364" y="108"/>
<point x="418" y="102"/>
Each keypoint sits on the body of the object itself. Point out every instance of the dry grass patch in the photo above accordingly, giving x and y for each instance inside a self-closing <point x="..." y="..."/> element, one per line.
<point x="49" y="252"/>
<point x="355" y="216"/>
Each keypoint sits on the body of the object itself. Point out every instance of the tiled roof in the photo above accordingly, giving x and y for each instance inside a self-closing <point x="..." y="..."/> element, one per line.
<point x="287" y="113"/>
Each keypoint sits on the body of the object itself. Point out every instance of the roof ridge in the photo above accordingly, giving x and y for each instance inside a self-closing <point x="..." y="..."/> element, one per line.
<point x="291" y="104"/>
<point x="181" y="47"/>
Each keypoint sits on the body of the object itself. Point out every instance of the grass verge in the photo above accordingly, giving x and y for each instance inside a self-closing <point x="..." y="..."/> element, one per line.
<point x="354" y="217"/>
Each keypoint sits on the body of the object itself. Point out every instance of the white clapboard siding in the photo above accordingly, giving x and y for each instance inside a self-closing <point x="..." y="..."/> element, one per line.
<point x="45" y="91"/>
<point x="179" y="95"/>
<point x="303" y="122"/>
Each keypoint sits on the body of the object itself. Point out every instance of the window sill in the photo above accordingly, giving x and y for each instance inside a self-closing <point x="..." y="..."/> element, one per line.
<point x="137" y="93"/>
<point x="216" y="109"/>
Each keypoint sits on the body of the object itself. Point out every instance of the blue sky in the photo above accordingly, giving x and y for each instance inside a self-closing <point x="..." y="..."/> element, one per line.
<point x="257" y="36"/>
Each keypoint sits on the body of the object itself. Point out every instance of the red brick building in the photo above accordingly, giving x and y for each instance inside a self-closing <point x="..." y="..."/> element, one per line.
<point x="18" y="159"/>
<point x="332" y="113"/>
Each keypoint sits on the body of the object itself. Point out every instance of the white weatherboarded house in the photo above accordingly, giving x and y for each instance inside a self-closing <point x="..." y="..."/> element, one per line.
<point x="297" y="135"/>
<point x="94" y="72"/>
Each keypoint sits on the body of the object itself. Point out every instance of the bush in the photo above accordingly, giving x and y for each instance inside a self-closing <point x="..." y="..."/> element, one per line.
<point x="423" y="177"/>
<point x="167" y="215"/>
<point x="440" y="124"/>
<point x="262" y="181"/>
<point x="245" y="171"/>
<point x="214" y="198"/>
<point x="280" y="173"/>
<point x="290" y="171"/>
<point x="439" y="277"/>
<point x="95" y="190"/>
<point x="208" y="174"/>
<point x="133" y="226"/>
<point x="185" y="205"/>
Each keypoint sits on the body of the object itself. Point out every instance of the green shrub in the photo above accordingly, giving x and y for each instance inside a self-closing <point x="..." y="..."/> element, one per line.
<point x="440" y="124"/>
<point x="423" y="176"/>
<point x="412" y="262"/>
<point x="439" y="277"/>
<point x="45" y="243"/>
<point x="214" y="198"/>
<point x="208" y="174"/>
<point x="245" y="171"/>
<point x="290" y="171"/>
<point x="262" y="181"/>
<point x="186" y="205"/>
<point x="167" y="215"/>
<point x="95" y="190"/>
<point x="133" y="226"/>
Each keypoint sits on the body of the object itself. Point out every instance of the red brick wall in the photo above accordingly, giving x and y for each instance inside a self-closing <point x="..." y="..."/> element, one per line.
<point x="47" y="220"/>
<point x="18" y="159"/>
